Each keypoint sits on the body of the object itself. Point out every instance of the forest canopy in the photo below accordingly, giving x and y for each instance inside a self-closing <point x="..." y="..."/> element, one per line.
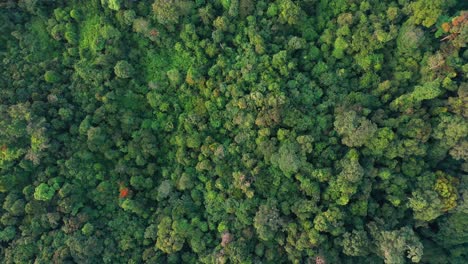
<point x="234" y="131"/>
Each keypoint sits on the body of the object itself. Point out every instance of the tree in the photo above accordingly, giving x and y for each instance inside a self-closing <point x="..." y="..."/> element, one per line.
<point x="296" y="43"/>
<point x="451" y="232"/>
<point x="330" y="221"/>
<point x="112" y="4"/>
<point x="427" y="12"/>
<point x="141" y="183"/>
<point x="446" y="188"/>
<point x="355" y="130"/>
<point x="426" y="205"/>
<point x="351" y="169"/>
<point x="123" y="69"/>
<point x="84" y="249"/>
<point x="381" y="141"/>
<point x="135" y="207"/>
<point x="51" y="77"/>
<point x="450" y="129"/>
<point x="96" y="138"/>
<point x="164" y="189"/>
<point x="410" y="38"/>
<point x="356" y="243"/>
<point x="44" y="192"/>
<point x="393" y="245"/>
<point x="287" y="158"/>
<point x="168" y="12"/>
<point x="267" y="221"/>
<point x="340" y="46"/>
<point x="174" y="77"/>
<point x="429" y="90"/>
<point x="169" y="241"/>
<point x="7" y="234"/>
<point x="290" y="13"/>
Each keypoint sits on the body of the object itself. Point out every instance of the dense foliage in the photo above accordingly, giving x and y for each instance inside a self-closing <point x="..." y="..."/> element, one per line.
<point x="233" y="131"/>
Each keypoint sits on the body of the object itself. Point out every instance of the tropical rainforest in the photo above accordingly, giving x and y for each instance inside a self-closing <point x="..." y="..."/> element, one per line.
<point x="233" y="131"/>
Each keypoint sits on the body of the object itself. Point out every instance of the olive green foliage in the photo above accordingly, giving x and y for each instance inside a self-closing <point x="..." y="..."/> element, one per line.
<point x="123" y="69"/>
<point x="233" y="131"/>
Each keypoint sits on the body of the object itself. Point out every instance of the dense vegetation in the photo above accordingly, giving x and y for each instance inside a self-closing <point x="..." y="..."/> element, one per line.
<point x="233" y="131"/>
